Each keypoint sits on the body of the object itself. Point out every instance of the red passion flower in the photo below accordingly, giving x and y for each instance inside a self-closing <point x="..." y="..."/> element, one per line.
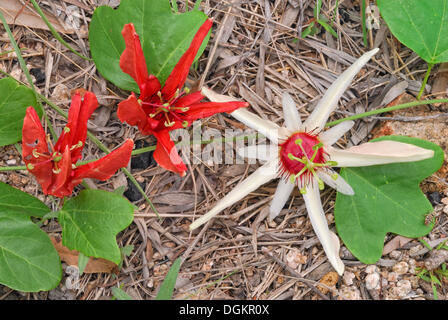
<point x="158" y="110"/>
<point x="55" y="167"/>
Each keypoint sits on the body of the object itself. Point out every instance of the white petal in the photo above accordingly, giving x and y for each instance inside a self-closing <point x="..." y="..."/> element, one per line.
<point x="334" y="180"/>
<point x="381" y="152"/>
<point x="281" y="195"/>
<point x="290" y="113"/>
<point x="265" y="127"/>
<point x="332" y="135"/>
<point x="261" y="176"/>
<point x="262" y="152"/>
<point x="329" y="101"/>
<point x="327" y="238"/>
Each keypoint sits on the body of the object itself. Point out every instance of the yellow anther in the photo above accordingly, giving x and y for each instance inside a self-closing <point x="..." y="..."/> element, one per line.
<point x="169" y="124"/>
<point x="321" y="184"/>
<point x="29" y="166"/>
<point x="292" y="178"/>
<point x="66" y="129"/>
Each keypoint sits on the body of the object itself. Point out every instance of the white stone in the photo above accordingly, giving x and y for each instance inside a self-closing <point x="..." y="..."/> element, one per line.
<point x="373" y="281"/>
<point x="371" y="268"/>
<point x="401" y="267"/>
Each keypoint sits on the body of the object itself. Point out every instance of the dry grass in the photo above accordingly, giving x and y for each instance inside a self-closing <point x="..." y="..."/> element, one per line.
<point x="255" y="54"/>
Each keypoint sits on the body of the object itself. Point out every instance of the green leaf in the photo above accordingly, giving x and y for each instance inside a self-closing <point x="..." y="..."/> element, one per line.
<point x="308" y="30"/>
<point x="82" y="262"/>
<point x="20" y="203"/>
<point x="91" y="221"/>
<point x="387" y="199"/>
<point x="164" y="35"/>
<point x="28" y="260"/>
<point x="167" y="287"/>
<point x="120" y="190"/>
<point x="127" y="250"/>
<point x="14" y="99"/>
<point x="119" y="294"/>
<point x="420" y="25"/>
<point x="327" y="27"/>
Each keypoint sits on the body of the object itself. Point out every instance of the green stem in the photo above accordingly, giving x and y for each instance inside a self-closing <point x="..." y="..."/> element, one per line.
<point x="15" y="168"/>
<point x="425" y="80"/>
<point x="55" y="33"/>
<point x="388" y="109"/>
<point x="26" y="72"/>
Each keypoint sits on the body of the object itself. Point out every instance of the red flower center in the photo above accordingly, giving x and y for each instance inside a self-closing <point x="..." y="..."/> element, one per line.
<point x="164" y="110"/>
<point x="300" y="154"/>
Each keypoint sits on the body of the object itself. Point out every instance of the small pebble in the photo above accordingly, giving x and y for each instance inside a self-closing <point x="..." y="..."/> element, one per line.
<point x="412" y="264"/>
<point x="413" y="250"/>
<point x="396" y="255"/>
<point x="11" y="162"/>
<point x="373" y="281"/>
<point x="401" y="267"/>
<point x="403" y="288"/>
<point x="348" y="278"/>
<point x="371" y="268"/>
<point x="392" y="277"/>
<point x="445" y="210"/>
<point x="349" y="293"/>
<point x="294" y="258"/>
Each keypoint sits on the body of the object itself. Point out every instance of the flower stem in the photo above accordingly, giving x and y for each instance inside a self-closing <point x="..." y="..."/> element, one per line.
<point x="15" y="168"/>
<point x="425" y="80"/>
<point x="388" y="109"/>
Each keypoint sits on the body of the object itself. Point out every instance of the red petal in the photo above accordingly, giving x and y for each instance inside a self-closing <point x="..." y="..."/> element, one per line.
<point x="66" y="138"/>
<point x="33" y="135"/>
<point x="60" y="188"/>
<point x="33" y="138"/>
<point x="189" y="99"/>
<point x="131" y="111"/>
<point x="150" y="88"/>
<point x="166" y="154"/>
<point x="132" y="60"/>
<point x="105" y="167"/>
<point x="88" y="105"/>
<point x="79" y="113"/>
<point x="207" y="109"/>
<point x="179" y="74"/>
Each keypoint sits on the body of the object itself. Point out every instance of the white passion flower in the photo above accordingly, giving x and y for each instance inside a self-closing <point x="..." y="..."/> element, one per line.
<point x="301" y="155"/>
